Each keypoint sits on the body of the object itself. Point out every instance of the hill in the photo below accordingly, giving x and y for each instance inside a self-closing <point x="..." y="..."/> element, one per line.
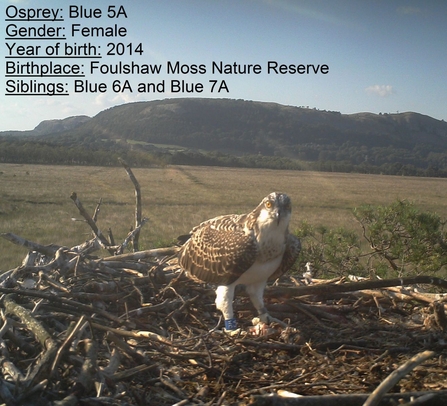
<point x="228" y="130"/>
<point x="57" y="126"/>
<point x="251" y="127"/>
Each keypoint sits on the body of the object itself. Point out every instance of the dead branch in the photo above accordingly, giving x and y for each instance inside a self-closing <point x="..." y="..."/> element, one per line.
<point x="96" y="212"/>
<point x="134" y="334"/>
<point x="396" y="376"/>
<point x="138" y="215"/>
<point x="326" y="289"/>
<point x="48" y="250"/>
<point x="96" y="231"/>
<point x="439" y="398"/>
<point x="143" y="255"/>
<point x="25" y="316"/>
<point x="86" y="378"/>
<point x="87" y="247"/>
<point x="132" y="236"/>
<point x="42" y="367"/>
<point x="72" y="305"/>
<point x="6" y="395"/>
<point x="66" y="343"/>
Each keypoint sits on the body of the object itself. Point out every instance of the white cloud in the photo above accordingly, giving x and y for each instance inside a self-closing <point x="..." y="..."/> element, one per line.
<point x="104" y="101"/>
<point x="380" y="90"/>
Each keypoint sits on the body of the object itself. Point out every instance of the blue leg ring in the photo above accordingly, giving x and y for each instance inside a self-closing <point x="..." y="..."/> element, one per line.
<point x="230" y="324"/>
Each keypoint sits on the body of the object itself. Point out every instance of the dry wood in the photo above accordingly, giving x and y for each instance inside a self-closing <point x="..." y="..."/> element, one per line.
<point x="43" y="365"/>
<point x="70" y="304"/>
<point x="96" y="231"/>
<point x="138" y="220"/>
<point x="179" y="327"/>
<point x="132" y="329"/>
<point x="96" y="212"/>
<point x="66" y="343"/>
<point x="396" y="376"/>
<point x="322" y="289"/>
<point x="436" y="399"/>
<point x="132" y="236"/>
<point x="155" y="253"/>
<point x="86" y="378"/>
<point x="6" y="395"/>
<point x="48" y="250"/>
<point x="26" y="317"/>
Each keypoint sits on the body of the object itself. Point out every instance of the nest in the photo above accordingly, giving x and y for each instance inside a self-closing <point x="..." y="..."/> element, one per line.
<point x="131" y="329"/>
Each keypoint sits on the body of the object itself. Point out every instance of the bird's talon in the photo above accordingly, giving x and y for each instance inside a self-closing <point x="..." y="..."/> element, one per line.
<point x="233" y="333"/>
<point x="263" y="318"/>
<point x="267" y="319"/>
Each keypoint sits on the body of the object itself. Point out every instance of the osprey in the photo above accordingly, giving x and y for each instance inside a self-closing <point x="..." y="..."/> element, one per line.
<point x="245" y="249"/>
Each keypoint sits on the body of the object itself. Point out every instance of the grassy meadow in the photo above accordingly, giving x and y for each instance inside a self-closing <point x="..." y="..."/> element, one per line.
<point x="35" y="199"/>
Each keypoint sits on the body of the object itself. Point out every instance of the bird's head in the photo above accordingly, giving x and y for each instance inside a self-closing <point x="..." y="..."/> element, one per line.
<point x="275" y="208"/>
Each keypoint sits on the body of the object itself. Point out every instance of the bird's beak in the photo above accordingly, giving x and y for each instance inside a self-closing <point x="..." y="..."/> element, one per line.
<point x="278" y="216"/>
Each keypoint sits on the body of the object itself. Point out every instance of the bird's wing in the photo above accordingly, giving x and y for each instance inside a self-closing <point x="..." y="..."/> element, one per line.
<point x="219" y="250"/>
<point x="293" y="249"/>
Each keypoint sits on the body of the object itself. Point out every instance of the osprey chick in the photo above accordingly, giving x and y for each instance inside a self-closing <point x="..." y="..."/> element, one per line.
<point x="246" y="249"/>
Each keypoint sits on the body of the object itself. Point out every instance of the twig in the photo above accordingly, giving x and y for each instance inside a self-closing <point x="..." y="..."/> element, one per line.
<point x="85" y="379"/>
<point x="48" y="250"/>
<point x="134" y="334"/>
<point x="128" y="373"/>
<point x="66" y="343"/>
<point x="25" y="315"/>
<point x="131" y="236"/>
<point x="51" y="282"/>
<point x="6" y="395"/>
<point x="137" y="203"/>
<point x="395" y="376"/>
<point x="68" y="302"/>
<point x="169" y="384"/>
<point x="439" y="398"/>
<point x="9" y="368"/>
<point x="96" y="212"/>
<point x="69" y="400"/>
<point x="323" y="289"/>
<point x="36" y="388"/>
<point x="90" y="222"/>
<point x="114" y="363"/>
<point x="43" y="366"/>
<point x="140" y="255"/>
<point x="127" y="349"/>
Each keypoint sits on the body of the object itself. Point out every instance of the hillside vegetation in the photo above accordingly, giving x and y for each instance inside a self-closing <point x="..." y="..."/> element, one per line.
<point x="238" y="133"/>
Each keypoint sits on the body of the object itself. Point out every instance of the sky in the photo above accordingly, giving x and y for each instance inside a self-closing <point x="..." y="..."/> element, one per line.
<point x="379" y="56"/>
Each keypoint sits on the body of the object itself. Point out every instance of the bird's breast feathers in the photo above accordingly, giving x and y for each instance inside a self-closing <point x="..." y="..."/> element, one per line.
<point x="271" y="239"/>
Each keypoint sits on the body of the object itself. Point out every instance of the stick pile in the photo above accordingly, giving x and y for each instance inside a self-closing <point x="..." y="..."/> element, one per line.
<point x="119" y="328"/>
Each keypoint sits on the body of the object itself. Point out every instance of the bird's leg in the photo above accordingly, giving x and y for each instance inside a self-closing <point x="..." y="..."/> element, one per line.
<point x="224" y="302"/>
<point x="256" y="293"/>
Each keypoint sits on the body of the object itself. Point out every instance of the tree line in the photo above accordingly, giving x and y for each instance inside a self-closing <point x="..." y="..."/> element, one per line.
<point x="106" y="152"/>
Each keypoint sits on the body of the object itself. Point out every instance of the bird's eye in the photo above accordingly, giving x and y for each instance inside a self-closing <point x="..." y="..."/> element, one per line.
<point x="268" y="204"/>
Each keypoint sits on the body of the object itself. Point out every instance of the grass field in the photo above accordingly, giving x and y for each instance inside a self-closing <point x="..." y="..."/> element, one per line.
<point x="35" y="200"/>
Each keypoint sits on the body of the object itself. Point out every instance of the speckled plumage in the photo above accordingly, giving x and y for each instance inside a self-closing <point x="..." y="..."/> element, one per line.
<point x="244" y="249"/>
